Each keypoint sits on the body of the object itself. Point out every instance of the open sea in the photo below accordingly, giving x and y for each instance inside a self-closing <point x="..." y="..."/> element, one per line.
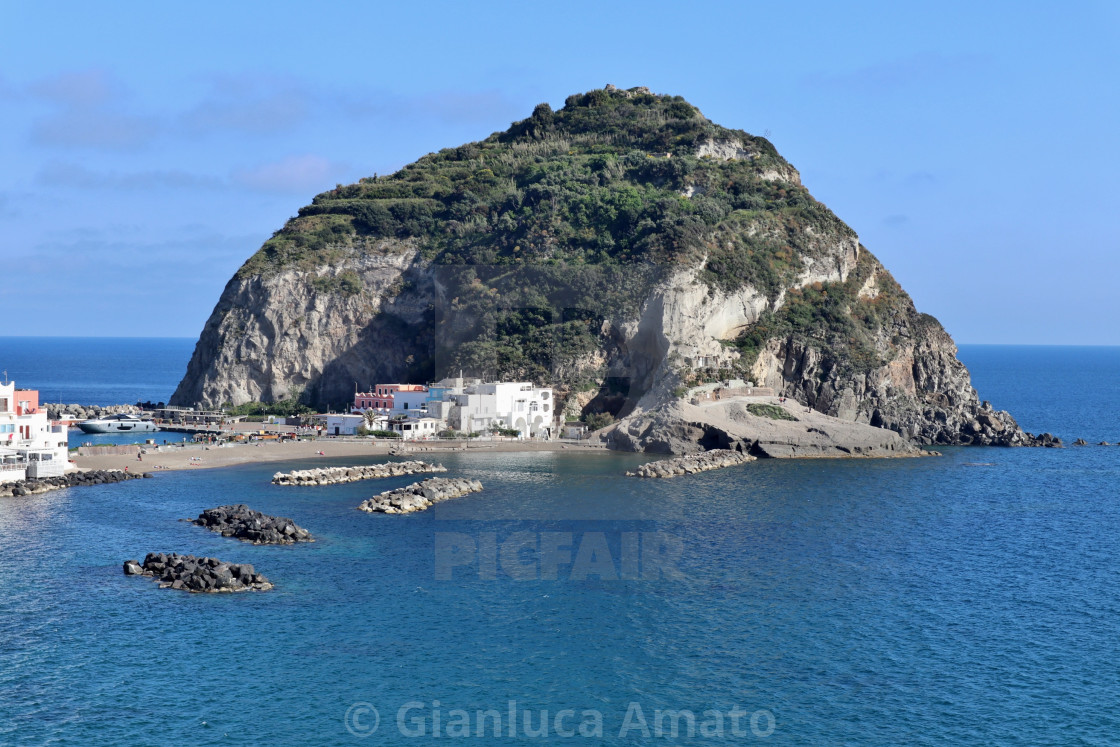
<point x="969" y="599"/>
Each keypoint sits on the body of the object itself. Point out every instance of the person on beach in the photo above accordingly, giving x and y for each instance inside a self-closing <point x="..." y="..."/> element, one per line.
<point x="139" y="456"/>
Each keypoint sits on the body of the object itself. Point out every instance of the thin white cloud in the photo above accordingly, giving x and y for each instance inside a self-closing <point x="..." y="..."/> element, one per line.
<point x="90" y="111"/>
<point x="298" y="174"/>
<point x="95" y="129"/>
<point x="251" y="104"/>
<point x="79" y="177"/>
<point x="81" y="88"/>
<point x="445" y="106"/>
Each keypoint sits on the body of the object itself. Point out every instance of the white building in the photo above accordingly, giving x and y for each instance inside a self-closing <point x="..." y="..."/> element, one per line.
<point x="30" y="446"/>
<point x="343" y="425"/>
<point x="517" y="405"/>
<point x="412" y="429"/>
<point x="409" y="402"/>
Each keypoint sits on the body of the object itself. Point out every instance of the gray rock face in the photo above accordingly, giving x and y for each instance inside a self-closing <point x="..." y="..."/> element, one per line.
<point x="420" y="495"/>
<point x="69" y="480"/>
<point x="924" y="392"/>
<point x="197" y="575"/>
<point x="241" y="522"/>
<point x="336" y="475"/>
<point x="691" y="464"/>
<point x="299" y="332"/>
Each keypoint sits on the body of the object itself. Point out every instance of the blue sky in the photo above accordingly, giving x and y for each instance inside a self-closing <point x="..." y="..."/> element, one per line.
<point x="149" y="149"/>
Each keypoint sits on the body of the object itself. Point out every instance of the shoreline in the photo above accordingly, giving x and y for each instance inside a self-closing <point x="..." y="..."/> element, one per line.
<point x="191" y="457"/>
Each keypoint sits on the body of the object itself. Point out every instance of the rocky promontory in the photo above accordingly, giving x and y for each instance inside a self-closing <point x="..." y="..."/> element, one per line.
<point x="188" y="573"/>
<point x="693" y="463"/>
<point x="727" y="268"/>
<point x="742" y="426"/>
<point x="69" y="480"/>
<point x="241" y="522"/>
<point x="335" y="475"/>
<point x="420" y="495"/>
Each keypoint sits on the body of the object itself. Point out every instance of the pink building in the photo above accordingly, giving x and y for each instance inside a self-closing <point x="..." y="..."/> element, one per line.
<point x="384" y="396"/>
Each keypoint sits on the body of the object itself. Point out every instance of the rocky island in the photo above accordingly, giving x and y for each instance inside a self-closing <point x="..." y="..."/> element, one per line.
<point x="624" y="249"/>
<point x="419" y="495"/>
<point x="188" y="573"/>
<point x="241" y="522"/>
<point x="336" y="475"/>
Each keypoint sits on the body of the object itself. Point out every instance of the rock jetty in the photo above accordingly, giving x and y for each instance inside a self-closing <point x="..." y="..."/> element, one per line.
<point x="188" y="573"/>
<point x="89" y="412"/>
<point x="687" y="465"/>
<point x="420" y="495"/>
<point x="69" y="480"/>
<point x="335" y="475"/>
<point x="243" y="523"/>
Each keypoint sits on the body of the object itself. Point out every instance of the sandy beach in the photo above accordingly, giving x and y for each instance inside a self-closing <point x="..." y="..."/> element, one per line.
<point x="197" y="456"/>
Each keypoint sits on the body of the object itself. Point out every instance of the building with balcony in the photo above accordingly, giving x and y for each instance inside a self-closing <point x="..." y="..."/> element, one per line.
<point x="30" y="445"/>
<point x="521" y="406"/>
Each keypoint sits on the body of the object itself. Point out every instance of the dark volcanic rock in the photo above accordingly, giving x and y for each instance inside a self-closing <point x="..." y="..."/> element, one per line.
<point x="69" y="480"/>
<point x="188" y="573"/>
<point x="243" y="523"/>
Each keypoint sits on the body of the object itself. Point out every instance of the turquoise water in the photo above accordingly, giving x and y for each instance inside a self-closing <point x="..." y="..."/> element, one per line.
<point x="78" y="438"/>
<point x="970" y="599"/>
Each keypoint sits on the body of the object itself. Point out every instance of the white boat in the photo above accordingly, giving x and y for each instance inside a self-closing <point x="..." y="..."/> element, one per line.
<point x="123" y="423"/>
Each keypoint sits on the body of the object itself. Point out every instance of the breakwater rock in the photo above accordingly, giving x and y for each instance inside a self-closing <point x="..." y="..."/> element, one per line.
<point x="89" y="412"/>
<point x="69" y="480"/>
<point x="335" y="475"/>
<point x="420" y="495"/>
<point x="691" y="464"/>
<point x="188" y="573"/>
<point x="243" y="523"/>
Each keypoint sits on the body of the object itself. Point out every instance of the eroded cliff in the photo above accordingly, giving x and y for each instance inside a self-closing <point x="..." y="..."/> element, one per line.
<point x="622" y="249"/>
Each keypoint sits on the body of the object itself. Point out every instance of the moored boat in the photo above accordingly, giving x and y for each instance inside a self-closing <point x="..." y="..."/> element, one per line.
<point x="123" y="423"/>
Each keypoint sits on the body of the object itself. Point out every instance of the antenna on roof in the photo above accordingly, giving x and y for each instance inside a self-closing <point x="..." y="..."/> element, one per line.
<point x="5" y="377"/>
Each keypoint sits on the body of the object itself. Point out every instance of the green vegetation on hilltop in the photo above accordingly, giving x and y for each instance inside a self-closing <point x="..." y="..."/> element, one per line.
<point x="599" y="182"/>
<point x="567" y="219"/>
